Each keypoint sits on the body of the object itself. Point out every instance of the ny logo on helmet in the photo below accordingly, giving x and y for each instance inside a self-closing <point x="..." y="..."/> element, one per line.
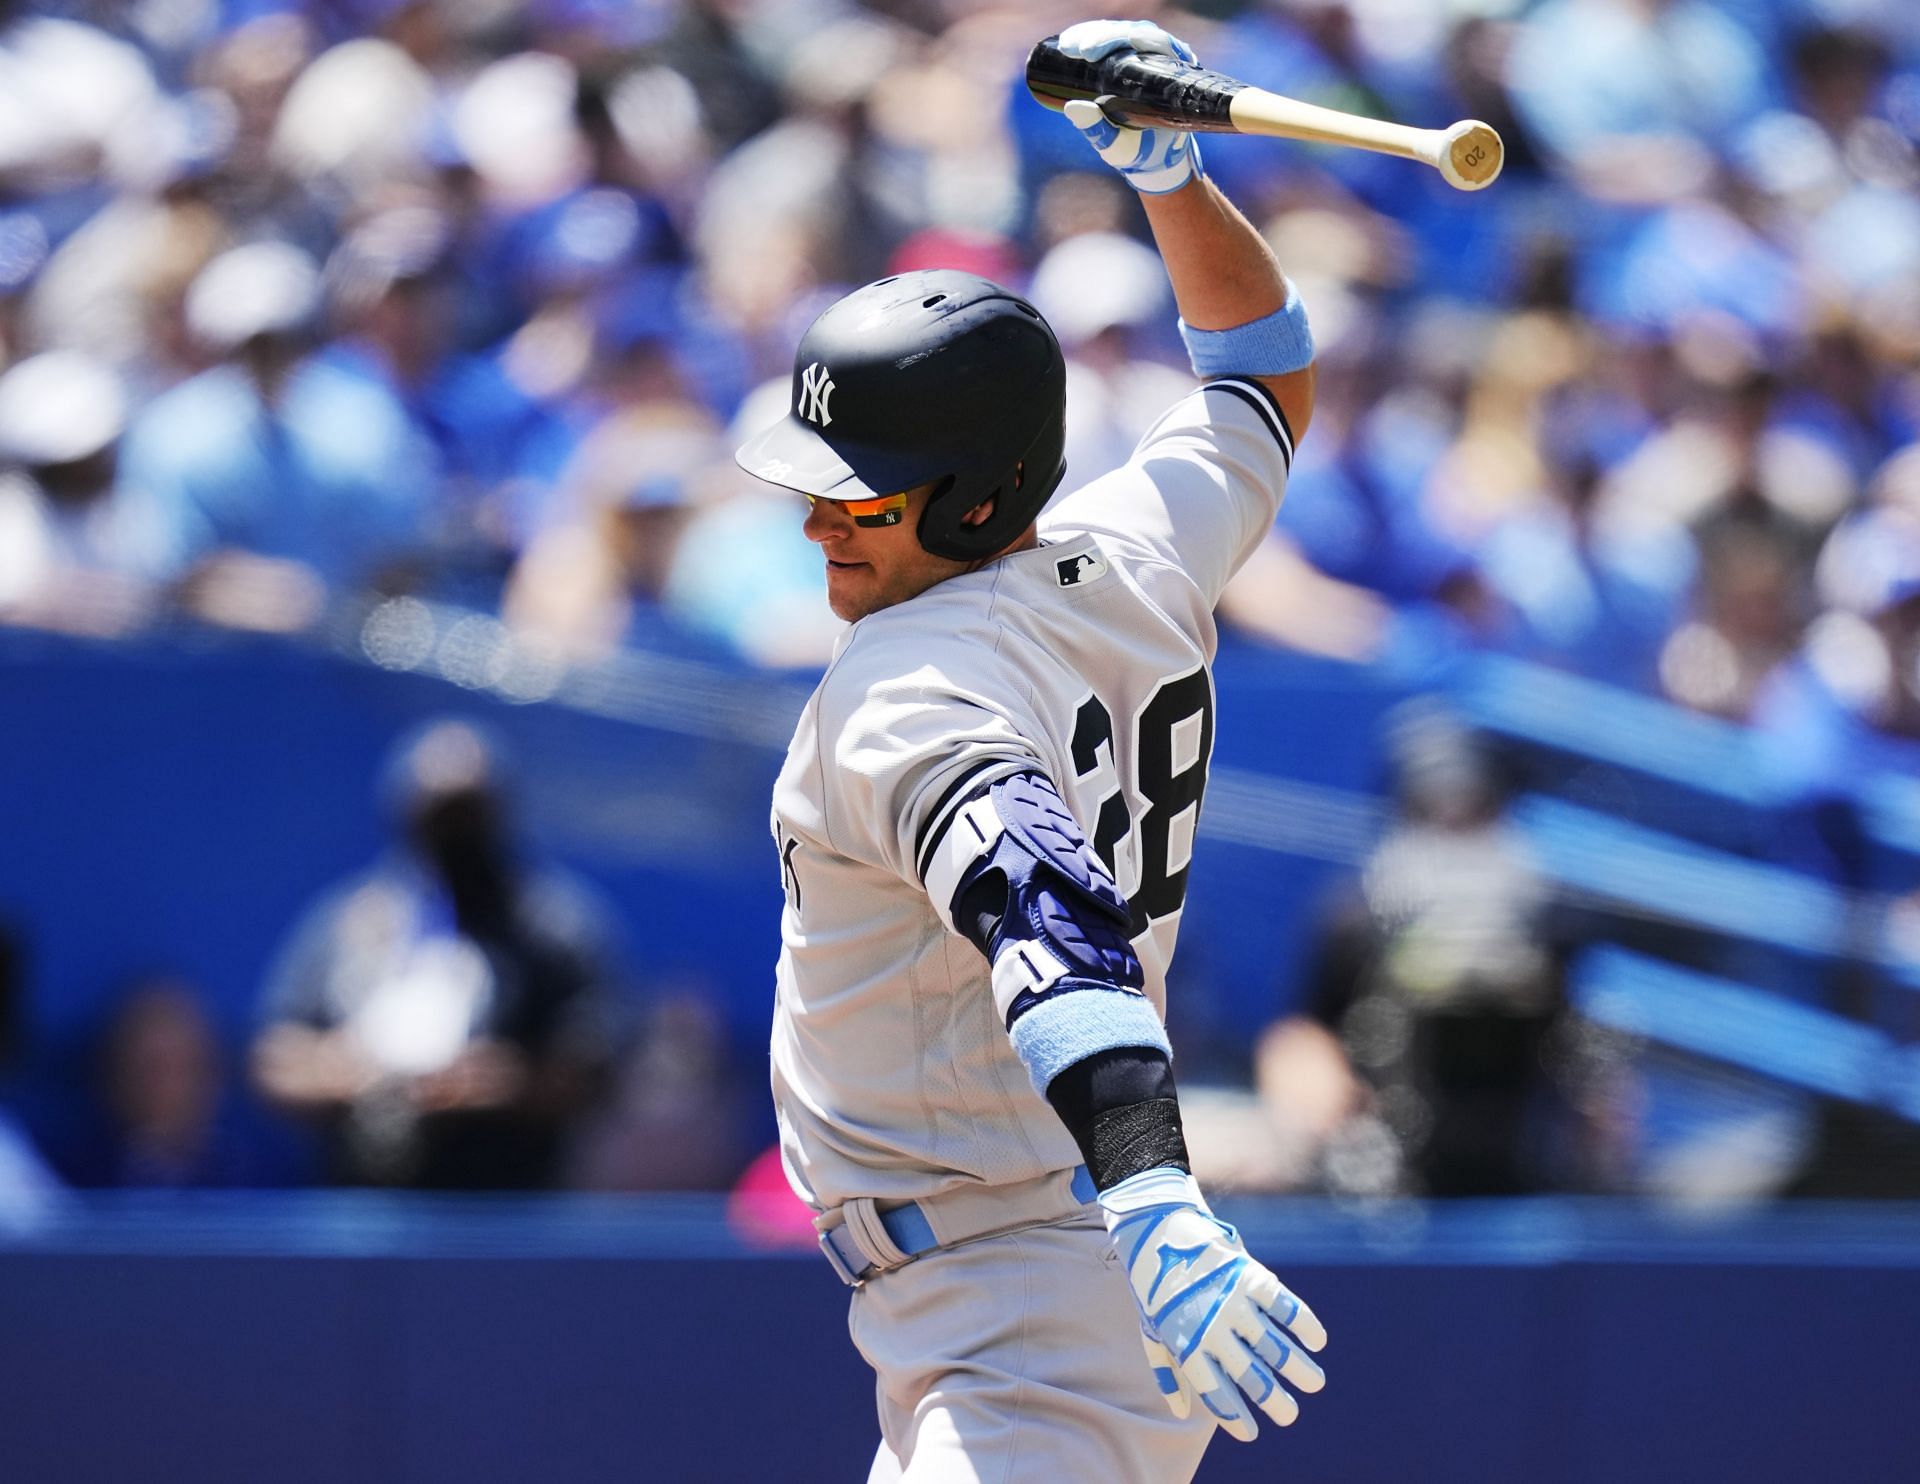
<point x="815" y="387"/>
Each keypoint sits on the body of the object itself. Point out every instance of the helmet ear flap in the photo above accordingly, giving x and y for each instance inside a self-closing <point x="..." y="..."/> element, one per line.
<point x="1018" y="496"/>
<point x="943" y="529"/>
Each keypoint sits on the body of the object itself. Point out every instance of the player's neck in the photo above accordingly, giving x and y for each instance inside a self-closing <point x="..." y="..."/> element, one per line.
<point x="1025" y="541"/>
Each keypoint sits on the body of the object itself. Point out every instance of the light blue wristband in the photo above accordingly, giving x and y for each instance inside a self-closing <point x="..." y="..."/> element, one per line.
<point x="1273" y="346"/>
<point x="1072" y="1025"/>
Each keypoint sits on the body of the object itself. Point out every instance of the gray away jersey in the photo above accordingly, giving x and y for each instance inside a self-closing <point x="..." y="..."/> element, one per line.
<point x="1086" y="659"/>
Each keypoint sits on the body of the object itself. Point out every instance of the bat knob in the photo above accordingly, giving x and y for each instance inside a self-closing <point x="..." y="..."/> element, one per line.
<point x="1470" y="155"/>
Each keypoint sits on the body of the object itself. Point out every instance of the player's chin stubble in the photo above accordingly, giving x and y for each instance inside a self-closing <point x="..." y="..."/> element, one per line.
<point x="858" y="589"/>
<point x="843" y="604"/>
<point x="855" y="591"/>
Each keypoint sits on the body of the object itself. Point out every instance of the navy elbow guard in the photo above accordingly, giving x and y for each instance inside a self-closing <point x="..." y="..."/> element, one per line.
<point x="1013" y="874"/>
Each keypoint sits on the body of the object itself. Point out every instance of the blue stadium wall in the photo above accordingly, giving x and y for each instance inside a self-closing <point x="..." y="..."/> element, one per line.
<point x="324" y="1339"/>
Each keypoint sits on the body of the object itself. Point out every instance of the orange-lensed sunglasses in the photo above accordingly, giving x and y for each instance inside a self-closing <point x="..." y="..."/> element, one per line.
<point x="884" y="510"/>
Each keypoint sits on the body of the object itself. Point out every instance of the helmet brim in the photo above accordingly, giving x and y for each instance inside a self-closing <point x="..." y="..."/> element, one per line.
<point x="792" y="455"/>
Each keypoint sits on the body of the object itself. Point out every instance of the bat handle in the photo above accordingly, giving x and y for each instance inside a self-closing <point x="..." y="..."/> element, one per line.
<point x="1135" y="89"/>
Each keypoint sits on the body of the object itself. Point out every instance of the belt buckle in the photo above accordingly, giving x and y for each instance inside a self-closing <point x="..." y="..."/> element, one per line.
<point x="837" y="1260"/>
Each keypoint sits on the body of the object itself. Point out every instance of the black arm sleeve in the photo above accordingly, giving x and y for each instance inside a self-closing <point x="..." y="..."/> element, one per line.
<point x="1121" y="1108"/>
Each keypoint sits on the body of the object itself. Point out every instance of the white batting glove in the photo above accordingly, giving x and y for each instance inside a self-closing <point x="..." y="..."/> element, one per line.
<point x="1216" y="1324"/>
<point x="1154" y="160"/>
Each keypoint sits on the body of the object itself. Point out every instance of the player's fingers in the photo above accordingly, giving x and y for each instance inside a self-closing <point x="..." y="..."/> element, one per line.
<point x="1274" y="1346"/>
<point x="1293" y="1364"/>
<point x="1263" y="1388"/>
<point x="1093" y="40"/>
<point x="1173" y="1386"/>
<point x="1285" y="1308"/>
<point x="1147" y="38"/>
<point x="1297" y="1317"/>
<point x="1119" y="147"/>
<point x="1091" y="120"/>
<point x="1222" y="1398"/>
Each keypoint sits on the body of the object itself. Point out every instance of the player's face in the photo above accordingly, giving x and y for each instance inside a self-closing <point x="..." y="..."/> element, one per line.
<point x="872" y="567"/>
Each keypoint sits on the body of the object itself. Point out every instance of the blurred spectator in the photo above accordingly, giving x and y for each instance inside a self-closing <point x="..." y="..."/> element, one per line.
<point x="1632" y="95"/>
<point x="1281" y="597"/>
<point x="274" y="476"/>
<point x="392" y="310"/>
<point x="78" y="108"/>
<point x="393" y="287"/>
<point x="1351" y="545"/>
<point x="1846" y="708"/>
<point x="1104" y="295"/>
<point x="770" y="222"/>
<point x="1747" y="617"/>
<point x="1429" y="1055"/>
<point x="1728" y="456"/>
<point x="355" y="118"/>
<point x="1595" y="589"/>
<point x="710" y="44"/>
<point x="448" y="1017"/>
<point x="538" y="219"/>
<point x="743" y="572"/>
<point x="69" y="552"/>
<point x="596" y="582"/>
<point x="28" y="1188"/>
<point x="116" y="287"/>
<point x="679" y="1116"/>
<point x="165" y="1118"/>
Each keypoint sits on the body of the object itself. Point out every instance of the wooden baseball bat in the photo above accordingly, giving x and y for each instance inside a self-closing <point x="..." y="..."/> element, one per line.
<point x="1135" y="88"/>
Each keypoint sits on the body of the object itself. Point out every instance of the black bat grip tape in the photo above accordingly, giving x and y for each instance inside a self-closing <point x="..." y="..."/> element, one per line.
<point x="1135" y="89"/>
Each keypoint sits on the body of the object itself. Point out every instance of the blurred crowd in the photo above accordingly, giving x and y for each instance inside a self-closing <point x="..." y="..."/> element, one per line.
<point x="458" y="1015"/>
<point x="306" y="303"/>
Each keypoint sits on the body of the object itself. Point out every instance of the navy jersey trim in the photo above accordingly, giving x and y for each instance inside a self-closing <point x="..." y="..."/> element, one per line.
<point x="934" y="828"/>
<point x="1266" y="404"/>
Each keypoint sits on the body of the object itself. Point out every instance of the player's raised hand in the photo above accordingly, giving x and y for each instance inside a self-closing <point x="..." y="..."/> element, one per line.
<point x="1155" y="160"/>
<point x="1217" y="1324"/>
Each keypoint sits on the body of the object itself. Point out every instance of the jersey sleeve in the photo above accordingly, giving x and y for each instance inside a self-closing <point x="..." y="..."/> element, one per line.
<point x="1202" y="488"/>
<point x="913" y="735"/>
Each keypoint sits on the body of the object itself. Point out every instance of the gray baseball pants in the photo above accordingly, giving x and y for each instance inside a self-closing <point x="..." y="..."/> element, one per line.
<point x="1016" y="1359"/>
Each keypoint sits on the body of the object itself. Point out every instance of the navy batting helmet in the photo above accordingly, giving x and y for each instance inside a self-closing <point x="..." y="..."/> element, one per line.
<point x="931" y="377"/>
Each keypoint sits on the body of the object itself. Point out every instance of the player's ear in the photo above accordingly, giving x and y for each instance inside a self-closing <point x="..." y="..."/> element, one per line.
<point x="983" y="512"/>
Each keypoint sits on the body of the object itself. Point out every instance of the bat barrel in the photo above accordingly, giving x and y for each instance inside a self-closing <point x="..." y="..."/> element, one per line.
<point x="1136" y="89"/>
<point x="1469" y="155"/>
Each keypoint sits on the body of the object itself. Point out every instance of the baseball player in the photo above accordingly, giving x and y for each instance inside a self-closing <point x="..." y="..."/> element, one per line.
<point x="984" y="826"/>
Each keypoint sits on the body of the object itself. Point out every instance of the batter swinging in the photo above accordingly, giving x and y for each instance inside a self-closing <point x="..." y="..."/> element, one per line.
<point x="984" y="825"/>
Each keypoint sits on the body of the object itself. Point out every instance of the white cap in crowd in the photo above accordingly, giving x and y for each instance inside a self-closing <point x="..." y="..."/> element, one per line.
<point x="264" y="288"/>
<point x="1097" y="281"/>
<point x="59" y="407"/>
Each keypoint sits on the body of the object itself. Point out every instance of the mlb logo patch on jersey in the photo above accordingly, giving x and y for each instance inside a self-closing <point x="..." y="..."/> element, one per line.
<point x="1078" y="571"/>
